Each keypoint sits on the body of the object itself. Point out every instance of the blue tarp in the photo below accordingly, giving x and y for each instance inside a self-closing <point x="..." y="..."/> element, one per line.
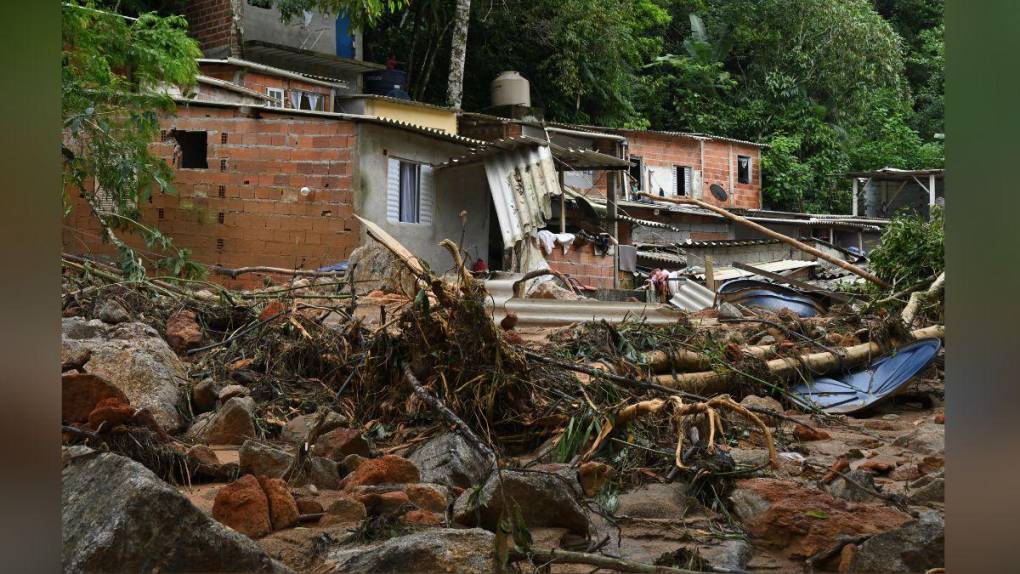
<point x="882" y="379"/>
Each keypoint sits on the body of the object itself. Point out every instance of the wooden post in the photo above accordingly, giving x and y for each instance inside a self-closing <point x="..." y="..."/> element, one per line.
<point x="931" y="193"/>
<point x="563" y="206"/>
<point x="832" y="235"/>
<point x="853" y="207"/>
<point x="860" y="241"/>
<point x="613" y="224"/>
<point x="775" y="235"/>
<point x="709" y="273"/>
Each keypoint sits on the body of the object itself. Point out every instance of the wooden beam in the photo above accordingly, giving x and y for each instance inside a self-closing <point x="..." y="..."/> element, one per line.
<point x="709" y="274"/>
<point x="775" y="235"/>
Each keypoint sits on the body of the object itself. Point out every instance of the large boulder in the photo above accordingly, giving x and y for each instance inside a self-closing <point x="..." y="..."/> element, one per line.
<point x="340" y="442"/>
<point x="261" y="459"/>
<point x="449" y="459"/>
<point x="914" y="547"/>
<point x="801" y="521"/>
<point x="655" y="500"/>
<point x="926" y="439"/>
<point x="545" y="499"/>
<point x="133" y="358"/>
<point x="375" y="267"/>
<point x="243" y="506"/>
<point x="296" y="429"/>
<point x="117" y="516"/>
<point x="231" y="424"/>
<point x="432" y="551"/>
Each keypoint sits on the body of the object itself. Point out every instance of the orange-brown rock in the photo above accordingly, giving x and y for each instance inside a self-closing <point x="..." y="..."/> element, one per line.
<point x="182" y="331"/>
<point x="388" y="469"/>
<point x="273" y="308"/>
<point x="81" y="392"/>
<point x="876" y="467"/>
<point x="377" y="503"/>
<point x="592" y="476"/>
<point x="422" y="518"/>
<point x="802" y="521"/>
<point x="426" y="497"/>
<point x="805" y="433"/>
<point x="309" y="506"/>
<point x="283" y="509"/>
<point x="112" y="411"/>
<point x="243" y="506"/>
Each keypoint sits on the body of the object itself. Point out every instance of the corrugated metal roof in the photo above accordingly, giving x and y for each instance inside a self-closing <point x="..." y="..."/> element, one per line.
<point x="729" y="243"/>
<point x="662" y="257"/>
<point x="691" y="296"/>
<point x="896" y="173"/>
<point x="574" y="158"/>
<point x="231" y="86"/>
<point x="521" y="181"/>
<point x="725" y="273"/>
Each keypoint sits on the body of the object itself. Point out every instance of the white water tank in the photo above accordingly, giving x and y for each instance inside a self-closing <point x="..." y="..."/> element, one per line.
<point x="511" y="89"/>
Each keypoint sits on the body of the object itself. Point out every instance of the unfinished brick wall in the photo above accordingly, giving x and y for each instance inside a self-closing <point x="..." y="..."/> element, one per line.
<point x="721" y="168"/>
<point x="211" y="23"/>
<point x="582" y="264"/>
<point x="246" y="208"/>
<point x="259" y="82"/>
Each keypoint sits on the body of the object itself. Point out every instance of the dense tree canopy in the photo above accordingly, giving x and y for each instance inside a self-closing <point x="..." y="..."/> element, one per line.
<point x="829" y="85"/>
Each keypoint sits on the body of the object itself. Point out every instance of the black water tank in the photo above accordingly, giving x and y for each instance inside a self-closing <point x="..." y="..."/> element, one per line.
<point x="392" y="83"/>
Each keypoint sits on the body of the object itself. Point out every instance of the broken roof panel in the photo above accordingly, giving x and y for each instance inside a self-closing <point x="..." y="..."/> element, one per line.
<point x="575" y="159"/>
<point x="521" y="181"/>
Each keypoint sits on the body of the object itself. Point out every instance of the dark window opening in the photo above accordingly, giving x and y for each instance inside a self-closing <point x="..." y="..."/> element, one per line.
<point x="194" y="149"/>
<point x="219" y="217"/>
<point x="160" y="213"/>
<point x="223" y="165"/>
<point x="222" y="191"/>
<point x="223" y="138"/>
<point x="219" y="244"/>
<point x="743" y="169"/>
<point x="683" y="175"/>
<point x="635" y="184"/>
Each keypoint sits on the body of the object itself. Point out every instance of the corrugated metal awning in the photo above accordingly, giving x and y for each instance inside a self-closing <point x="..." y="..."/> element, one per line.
<point x="521" y="181"/>
<point x="574" y="159"/>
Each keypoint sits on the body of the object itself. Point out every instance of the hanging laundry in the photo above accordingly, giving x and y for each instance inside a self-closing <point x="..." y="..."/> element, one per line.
<point x="547" y="239"/>
<point x="565" y="240"/>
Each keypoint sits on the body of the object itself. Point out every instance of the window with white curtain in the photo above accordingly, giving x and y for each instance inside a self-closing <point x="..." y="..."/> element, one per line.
<point x="409" y="187"/>
<point x="275" y="97"/>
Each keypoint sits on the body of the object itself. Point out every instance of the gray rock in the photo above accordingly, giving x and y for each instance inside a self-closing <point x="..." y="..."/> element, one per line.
<point x="261" y="459"/>
<point x="451" y="460"/>
<point x="296" y="429"/>
<point x="749" y="457"/>
<point x="231" y="424"/>
<point x="729" y="555"/>
<point x="768" y="403"/>
<point x="654" y="500"/>
<point x="433" y="551"/>
<point x="927" y="489"/>
<point x="842" y="488"/>
<point x="117" y="516"/>
<point x="112" y="312"/>
<point x="747" y="503"/>
<point x="729" y="311"/>
<point x="545" y="500"/>
<point x="136" y="360"/>
<point x="230" y="391"/>
<point x="927" y="438"/>
<point x="914" y="547"/>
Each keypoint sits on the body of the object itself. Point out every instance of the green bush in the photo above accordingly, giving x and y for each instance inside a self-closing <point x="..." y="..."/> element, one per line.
<point x="912" y="250"/>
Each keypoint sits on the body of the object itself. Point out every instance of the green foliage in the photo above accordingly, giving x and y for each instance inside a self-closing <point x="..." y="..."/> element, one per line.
<point x="579" y="432"/>
<point x="113" y="73"/>
<point x="362" y="12"/>
<point x="912" y="249"/>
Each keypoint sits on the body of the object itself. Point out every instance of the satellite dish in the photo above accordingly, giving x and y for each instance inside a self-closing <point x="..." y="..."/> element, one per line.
<point x="718" y="192"/>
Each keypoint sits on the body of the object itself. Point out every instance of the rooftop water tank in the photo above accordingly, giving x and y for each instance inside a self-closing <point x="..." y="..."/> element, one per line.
<point x="511" y="89"/>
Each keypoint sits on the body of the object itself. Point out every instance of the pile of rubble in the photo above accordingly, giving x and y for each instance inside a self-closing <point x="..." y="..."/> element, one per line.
<point x="316" y="428"/>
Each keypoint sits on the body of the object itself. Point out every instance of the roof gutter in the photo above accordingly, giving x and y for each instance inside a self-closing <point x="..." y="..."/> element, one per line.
<point x="579" y="133"/>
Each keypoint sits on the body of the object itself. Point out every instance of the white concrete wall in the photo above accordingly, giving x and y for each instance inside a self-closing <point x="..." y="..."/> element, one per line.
<point x="456" y="189"/>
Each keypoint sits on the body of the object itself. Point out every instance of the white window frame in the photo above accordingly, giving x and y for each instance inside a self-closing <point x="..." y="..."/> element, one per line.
<point x="276" y="96"/>
<point x="426" y="191"/>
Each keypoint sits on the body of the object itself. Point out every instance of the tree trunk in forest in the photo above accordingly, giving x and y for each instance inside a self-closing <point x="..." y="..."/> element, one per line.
<point x="458" y="49"/>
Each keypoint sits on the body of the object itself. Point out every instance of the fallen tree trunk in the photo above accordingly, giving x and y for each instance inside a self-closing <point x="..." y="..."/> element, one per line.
<point x="917" y="299"/>
<point x="684" y="360"/>
<point x="708" y="382"/>
<point x="775" y="235"/>
<point x="234" y="273"/>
